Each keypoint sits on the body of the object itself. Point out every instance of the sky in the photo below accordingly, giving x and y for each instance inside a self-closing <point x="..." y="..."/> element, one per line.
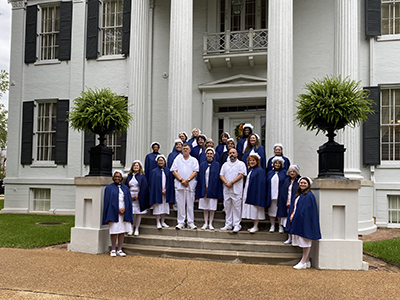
<point x="5" y="36"/>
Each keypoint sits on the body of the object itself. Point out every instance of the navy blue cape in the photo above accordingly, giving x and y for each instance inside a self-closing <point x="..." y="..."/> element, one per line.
<point x="282" y="208"/>
<point x="150" y="163"/>
<point x="257" y="189"/>
<point x="285" y="167"/>
<point x="214" y="181"/>
<point x="111" y="204"/>
<point x="282" y="176"/>
<point x="156" y="186"/>
<point x="143" y="190"/>
<point x="202" y="157"/>
<point x="171" y="157"/>
<point x="239" y="147"/>
<point x="260" y="151"/>
<point x="220" y="148"/>
<point x="305" y="221"/>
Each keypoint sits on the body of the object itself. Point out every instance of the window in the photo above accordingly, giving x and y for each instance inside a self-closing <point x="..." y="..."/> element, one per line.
<point x="114" y="142"/>
<point x="49" y="32"/>
<point x="41" y="199"/>
<point x="111" y="27"/>
<point x="394" y="209"/>
<point x="390" y="124"/>
<point x="253" y="15"/>
<point x="46" y="131"/>
<point x="390" y="17"/>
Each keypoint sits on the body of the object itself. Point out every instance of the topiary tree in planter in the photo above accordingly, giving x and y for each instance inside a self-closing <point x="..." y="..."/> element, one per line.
<point x="329" y="105"/>
<point x="100" y="112"/>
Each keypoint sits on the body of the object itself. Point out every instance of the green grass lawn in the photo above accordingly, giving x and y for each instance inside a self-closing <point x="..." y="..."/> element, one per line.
<point x="21" y="231"/>
<point x="388" y="250"/>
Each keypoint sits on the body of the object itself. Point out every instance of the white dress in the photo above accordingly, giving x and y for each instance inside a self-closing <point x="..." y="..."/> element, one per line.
<point x="134" y="189"/>
<point x="296" y="239"/>
<point x="120" y="226"/>
<point x="250" y="211"/>
<point x="162" y="208"/>
<point x="273" y="209"/>
<point x="208" y="203"/>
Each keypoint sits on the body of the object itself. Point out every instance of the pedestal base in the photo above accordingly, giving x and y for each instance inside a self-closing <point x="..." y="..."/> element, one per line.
<point x="88" y="240"/>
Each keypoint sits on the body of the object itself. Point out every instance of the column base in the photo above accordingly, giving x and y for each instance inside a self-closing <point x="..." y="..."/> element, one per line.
<point x="88" y="240"/>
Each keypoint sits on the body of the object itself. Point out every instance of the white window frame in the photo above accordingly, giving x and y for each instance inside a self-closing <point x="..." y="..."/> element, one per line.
<point x="392" y="90"/>
<point x="45" y="201"/>
<point x="35" y="150"/>
<point x="112" y="142"/>
<point x="395" y="210"/>
<point x="55" y="42"/>
<point x="115" y="52"/>
<point x="392" y="16"/>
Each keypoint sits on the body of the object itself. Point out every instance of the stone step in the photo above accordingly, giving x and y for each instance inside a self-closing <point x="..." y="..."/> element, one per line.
<point x="213" y="234"/>
<point x="212" y="243"/>
<point x="214" y="255"/>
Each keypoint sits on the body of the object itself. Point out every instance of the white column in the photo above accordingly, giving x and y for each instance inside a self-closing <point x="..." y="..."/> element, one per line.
<point x="280" y="99"/>
<point x="346" y="64"/>
<point x="137" y="138"/>
<point x="180" y="69"/>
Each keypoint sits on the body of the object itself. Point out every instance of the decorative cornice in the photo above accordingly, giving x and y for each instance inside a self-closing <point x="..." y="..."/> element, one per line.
<point x="17" y="4"/>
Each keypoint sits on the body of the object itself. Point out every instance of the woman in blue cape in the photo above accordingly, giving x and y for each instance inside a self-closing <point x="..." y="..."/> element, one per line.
<point x="287" y="195"/>
<point x="193" y="138"/>
<point x="117" y="212"/>
<point x="221" y="148"/>
<point x="198" y="150"/>
<point x="275" y="179"/>
<point x="161" y="191"/>
<point x="150" y="160"/>
<point x="137" y="184"/>
<point x="177" y="150"/>
<point x="303" y="222"/>
<point x="208" y="144"/>
<point x="242" y="142"/>
<point x="209" y="188"/>
<point x="254" y="193"/>
<point x="253" y="147"/>
<point x="278" y="151"/>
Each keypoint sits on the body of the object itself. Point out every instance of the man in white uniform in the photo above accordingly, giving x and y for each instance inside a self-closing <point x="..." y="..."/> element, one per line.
<point x="185" y="169"/>
<point x="232" y="173"/>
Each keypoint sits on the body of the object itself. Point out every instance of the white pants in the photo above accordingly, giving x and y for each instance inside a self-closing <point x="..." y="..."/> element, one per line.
<point x="185" y="203"/>
<point x="233" y="211"/>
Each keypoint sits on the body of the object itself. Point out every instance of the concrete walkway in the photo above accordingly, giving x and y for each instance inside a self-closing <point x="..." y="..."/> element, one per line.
<point x="58" y="274"/>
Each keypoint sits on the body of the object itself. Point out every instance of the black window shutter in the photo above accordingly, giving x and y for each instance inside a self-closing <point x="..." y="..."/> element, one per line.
<point x="126" y="27"/>
<point x="88" y="143"/>
<point x="373" y="17"/>
<point x="92" y="29"/>
<point x="30" y="33"/>
<point x="62" y="132"/>
<point x="27" y="132"/>
<point x="371" y="131"/>
<point x="65" y="30"/>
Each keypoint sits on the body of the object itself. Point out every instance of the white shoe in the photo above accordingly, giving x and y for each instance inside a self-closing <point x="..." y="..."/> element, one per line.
<point x="159" y="226"/>
<point x="225" y="228"/>
<point x="288" y="241"/>
<point x="300" y="266"/>
<point x="308" y="265"/>
<point x="253" y="229"/>
<point x="237" y="228"/>
<point x="211" y="227"/>
<point x="165" y="225"/>
<point x="272" y="228"/>
<point x="281" y="229"/>
<point x="121" y="253"/>
<point x="130" y="232"/>
<point x="113" y="253"/>
<point x="180" y="226"/>
<point x="192" y="226"/>
<point x="204" y="227"/>
<point x="136" y="233"/>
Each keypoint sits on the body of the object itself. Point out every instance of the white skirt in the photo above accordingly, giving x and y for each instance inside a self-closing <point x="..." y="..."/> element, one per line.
<point x="120" y="226"/>
<point x="273" y="209"/>
<point x="161" y="208"/>
<point x="136" y="208"/>
<point x="208" y="203"/>
<point x="253" y="212"/>
<point x="300" y="241"/>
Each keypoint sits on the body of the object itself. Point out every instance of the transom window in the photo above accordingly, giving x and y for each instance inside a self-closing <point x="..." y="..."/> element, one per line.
<point x="41" y="199"/>
<point x="390" y="124"/>
<point x="390" y="17"/>
<point x="394" y="209"/>
<point x="46" y="131"/>
<point x="111" y="27"/>
<point x="49" y="32"/>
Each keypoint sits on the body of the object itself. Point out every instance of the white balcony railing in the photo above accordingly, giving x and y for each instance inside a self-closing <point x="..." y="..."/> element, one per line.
<point x="235" y="41"/>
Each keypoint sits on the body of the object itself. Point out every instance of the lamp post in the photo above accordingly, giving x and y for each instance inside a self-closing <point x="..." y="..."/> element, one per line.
<point x="237" y="6"/>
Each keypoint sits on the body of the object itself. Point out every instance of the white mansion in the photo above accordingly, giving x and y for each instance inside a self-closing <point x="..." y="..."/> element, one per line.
<point x="198" y="63"/>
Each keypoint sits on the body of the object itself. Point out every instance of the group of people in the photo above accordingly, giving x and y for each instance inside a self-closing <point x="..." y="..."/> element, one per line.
<point x="240" y="176"/>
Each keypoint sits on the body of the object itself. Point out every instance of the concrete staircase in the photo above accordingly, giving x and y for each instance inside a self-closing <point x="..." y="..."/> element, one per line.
<point x="262" y="247"/>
